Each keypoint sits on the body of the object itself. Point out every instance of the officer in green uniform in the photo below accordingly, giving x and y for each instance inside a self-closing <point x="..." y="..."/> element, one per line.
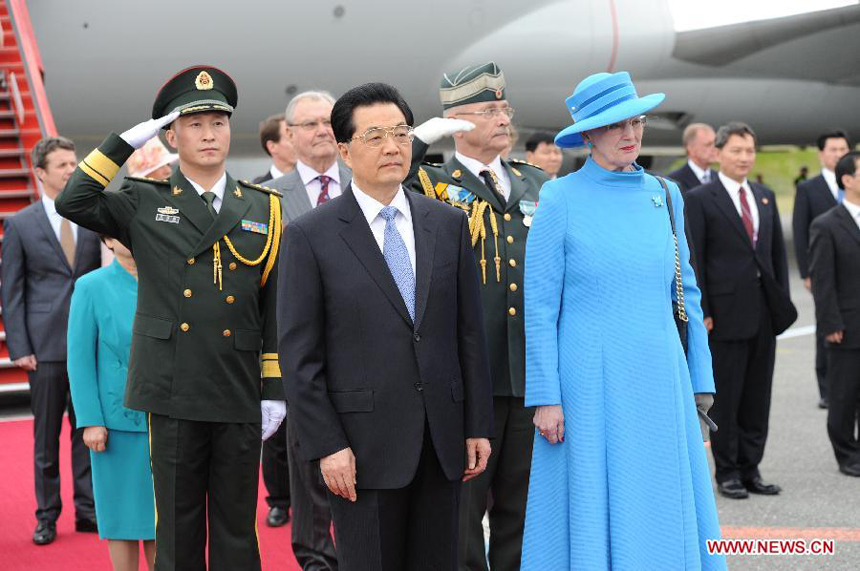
<point x="500" y="198"/>
<point x="204" y="362"/>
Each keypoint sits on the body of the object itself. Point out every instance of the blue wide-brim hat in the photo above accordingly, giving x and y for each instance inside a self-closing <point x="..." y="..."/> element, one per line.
<point x="603" y="99"/>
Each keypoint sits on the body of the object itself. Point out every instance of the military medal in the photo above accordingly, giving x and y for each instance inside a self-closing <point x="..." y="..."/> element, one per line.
<point x="528" y="207"/>
<point x="167" y="214"/>
<point x="256" y="227"/>
<point x="657" y="200"/>
<point x="457" y="174"/>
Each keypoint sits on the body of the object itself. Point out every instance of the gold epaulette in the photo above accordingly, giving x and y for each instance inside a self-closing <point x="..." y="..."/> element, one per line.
<point x="520" y="162"/>
<point x="426" y="183"/>
<point x="147" y="179"/>
<point x="260" y="187"/>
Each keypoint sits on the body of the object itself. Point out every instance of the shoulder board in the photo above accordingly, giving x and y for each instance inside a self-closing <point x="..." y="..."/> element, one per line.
<point x="519" y="162"/>
<point x="149" y="180"/>
<point x="260" y="187"/>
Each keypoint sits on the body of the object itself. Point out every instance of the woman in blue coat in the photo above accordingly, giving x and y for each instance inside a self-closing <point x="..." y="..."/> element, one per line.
<point x="99" y="343"/>
<point x="619" y="477"/>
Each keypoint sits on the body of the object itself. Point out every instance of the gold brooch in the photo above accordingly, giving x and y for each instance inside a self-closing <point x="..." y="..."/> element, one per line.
<point x="764" y="200"/>
<point x="457" y="173"/>
<point x="237" y="192"/>
<point x="176" y="190"/>
<point x="204" y="81"/>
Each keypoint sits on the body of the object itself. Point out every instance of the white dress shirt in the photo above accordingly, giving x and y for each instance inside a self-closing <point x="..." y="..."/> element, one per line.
<point x="733" y="188"/>
<point x="830" y="179"/>
<point x="55" y="219"/>
<point x="700" y="173"/>
<point x="218" y="189"/>
<point x="312" y="183"/>
<point x="371" y="207"/>
<point x="475" y="167"/>
<point x="853" y="210"/>
<point x="275" y="172"/>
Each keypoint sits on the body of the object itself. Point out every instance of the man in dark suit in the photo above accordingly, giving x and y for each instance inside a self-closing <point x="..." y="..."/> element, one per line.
<point x="385" y="360"/>
<point x="737" y="234"/>
<point x="698" y="139"/>
<point x="835" y="270"/>
<point x="813" y="198"/>
<point x="316" y="179"/>
<point x="275" y="140"/>
<point x="43" y="255"/>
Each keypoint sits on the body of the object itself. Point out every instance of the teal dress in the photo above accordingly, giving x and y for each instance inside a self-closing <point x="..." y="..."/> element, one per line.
<point x="629" y="488"/>
<point x="99" y="343"/>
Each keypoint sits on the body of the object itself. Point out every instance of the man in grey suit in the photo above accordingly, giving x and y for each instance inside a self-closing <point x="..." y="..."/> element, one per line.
<point x="318" y="177"/>
<point x="43" y="255"/>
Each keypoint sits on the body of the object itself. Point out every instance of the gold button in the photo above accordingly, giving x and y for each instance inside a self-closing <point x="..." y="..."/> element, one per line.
<point x="185" y="327"/>
<point x="190" y="261"/>
<point x="513" y="263"/>
<point x="512" y="311"/>
<point x="507" y="217"/>
<point x="510" y="239"/>
<point x="513" y="287"/>
<point x="232" y="265"/>
<point x="187" y="293"/>
<point x="226" y="333"/>
<point x="230" y="299"/>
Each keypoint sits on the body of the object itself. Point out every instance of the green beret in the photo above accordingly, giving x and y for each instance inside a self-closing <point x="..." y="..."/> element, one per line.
<point x="472" y="84"/>
<point x="196" y="90"/>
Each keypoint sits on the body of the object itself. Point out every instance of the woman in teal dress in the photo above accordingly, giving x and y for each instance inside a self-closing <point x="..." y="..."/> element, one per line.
<point x="99" y="343"/>
<point x="619" y="478"/>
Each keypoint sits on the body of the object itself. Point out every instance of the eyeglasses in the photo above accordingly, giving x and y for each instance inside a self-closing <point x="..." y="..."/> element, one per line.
<point x="313" y="125"/>
<point x="491" y="112"/>
<point x="638" y="123"/>
<point x="402" y="135"/>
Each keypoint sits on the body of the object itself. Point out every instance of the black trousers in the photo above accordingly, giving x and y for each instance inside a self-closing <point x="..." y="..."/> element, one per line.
<point x="407" y="529"/>
<point x="311" y="538"/>
<point x="276" y="470"/>
<point x="49" y="400"/>
<point x="200" y="467"/>
<point x="504" y="485"/>
<point x="821" y="363"/>
<point x="743" y="374"/>
<point x="843" y="376"/>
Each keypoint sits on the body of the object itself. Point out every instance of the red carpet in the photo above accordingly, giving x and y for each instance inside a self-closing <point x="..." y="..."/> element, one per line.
<point x="77" y="551"/>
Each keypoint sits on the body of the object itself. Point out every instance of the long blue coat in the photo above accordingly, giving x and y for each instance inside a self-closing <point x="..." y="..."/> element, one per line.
<point x="629" y="488"/>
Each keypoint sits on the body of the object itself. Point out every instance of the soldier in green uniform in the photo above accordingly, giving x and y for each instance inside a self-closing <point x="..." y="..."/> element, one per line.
<point x="500" y="198"/>
<point x="204" y="362"/>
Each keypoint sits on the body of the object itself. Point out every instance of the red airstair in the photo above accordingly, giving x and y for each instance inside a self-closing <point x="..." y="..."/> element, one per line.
<point x="25" y="117"/>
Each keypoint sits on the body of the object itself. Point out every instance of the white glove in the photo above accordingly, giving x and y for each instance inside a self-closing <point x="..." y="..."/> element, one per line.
<point x="141" y="133"/>
<point x="274" y="412"/>
<point x="434" y="129"/>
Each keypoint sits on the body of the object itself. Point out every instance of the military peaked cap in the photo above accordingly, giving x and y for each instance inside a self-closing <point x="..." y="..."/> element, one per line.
<point x="196" y="89"/>
<point x="472" y="84"/>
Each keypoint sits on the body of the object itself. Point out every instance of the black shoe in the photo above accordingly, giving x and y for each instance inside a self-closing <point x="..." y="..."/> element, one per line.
<point x="277" y="516"/>
<point x="758" y="486"/>
<point x="86" y="525"/>
<point x="850" y="470"/>
<point x="46" y="532"/>
<point x="822" y="403"/>
<point x="733" y="489"/>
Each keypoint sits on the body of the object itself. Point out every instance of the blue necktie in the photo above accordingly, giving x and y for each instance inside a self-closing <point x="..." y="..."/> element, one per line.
<point x="840" y="194"/>
<point x="397" y="257"/>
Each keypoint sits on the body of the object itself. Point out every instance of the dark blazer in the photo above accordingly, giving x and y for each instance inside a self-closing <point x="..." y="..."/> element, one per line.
<point x="687" y="179"/>
<point x="36" y="283"/>
<point x="726" y="264"/>
<point x="262" y="178"/>
<point x="358" y="372"/>
<point x="812" y="199"/>
<point x="834" y="264"/>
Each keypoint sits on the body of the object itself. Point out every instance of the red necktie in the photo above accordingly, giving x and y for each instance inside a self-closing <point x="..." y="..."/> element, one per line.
<point x="746" y="214"/>
<point x="324" y="180"/>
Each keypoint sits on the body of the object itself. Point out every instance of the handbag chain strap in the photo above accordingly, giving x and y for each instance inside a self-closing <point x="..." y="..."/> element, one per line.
<point x="679" y="285"/>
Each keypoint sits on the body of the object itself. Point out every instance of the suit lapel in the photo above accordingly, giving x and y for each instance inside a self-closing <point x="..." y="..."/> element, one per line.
<point x="824" y="190"/>
<point x="425" y="248"/>
<point x="765" y="219"/>
<point x="359" y="238"/>
<point x="48" y="231"/>
<point x="518" y="187"/>
<point x="473" y="183"/>
<point x="296" y="201"/>
<point x="233" y="207"/>
<point x="848" y="223"/>
<point x="83" y="236"/>
<point x="190" y="205"/>
<point x="725" y="204"/>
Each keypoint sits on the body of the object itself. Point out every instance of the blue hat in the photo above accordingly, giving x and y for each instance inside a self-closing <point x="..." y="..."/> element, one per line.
<point x="603" y="99"/>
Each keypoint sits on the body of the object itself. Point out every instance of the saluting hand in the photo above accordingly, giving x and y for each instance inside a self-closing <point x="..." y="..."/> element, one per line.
<point x="338" y="472"/>
<point x="138" y="135"/>
<point x="95" y="438"/>
<point x="435" y="128"/>
<point x="549" y="421"/>
<point x="478" y="452"/>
